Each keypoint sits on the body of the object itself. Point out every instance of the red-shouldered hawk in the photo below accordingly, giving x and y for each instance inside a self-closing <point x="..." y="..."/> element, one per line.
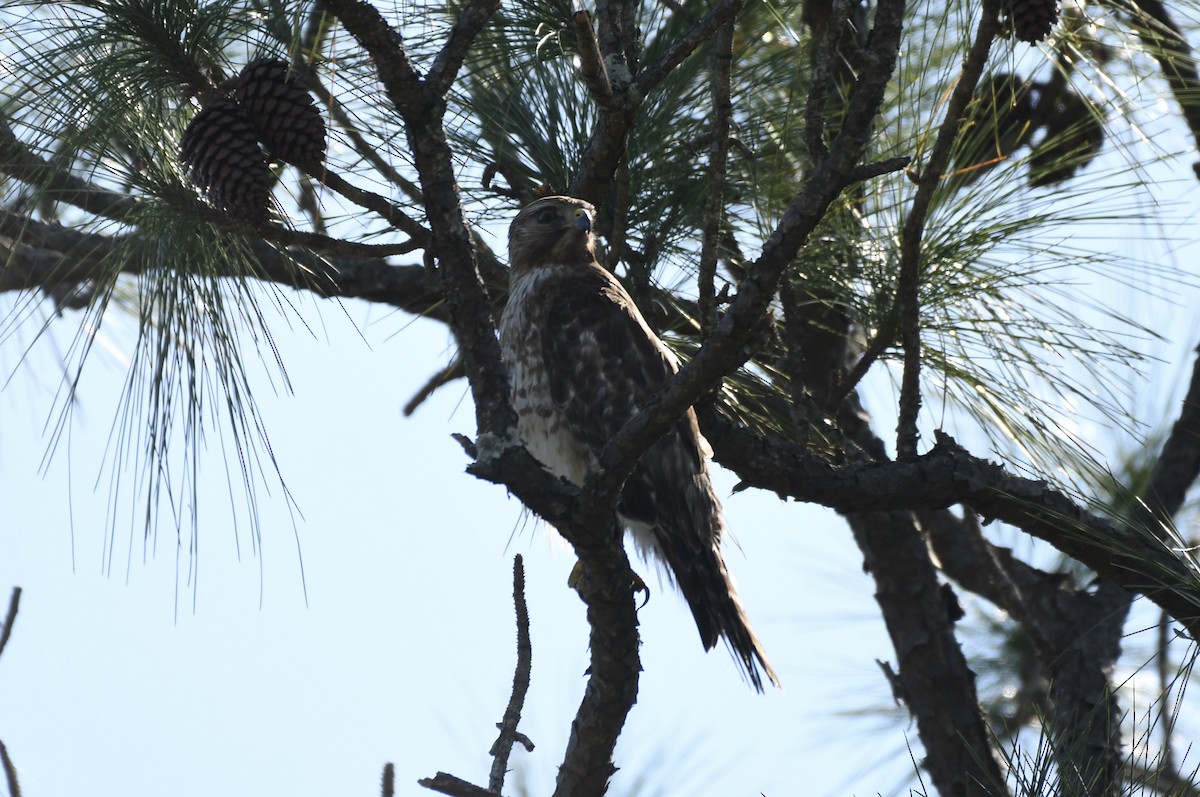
<point x="582" y="361"/>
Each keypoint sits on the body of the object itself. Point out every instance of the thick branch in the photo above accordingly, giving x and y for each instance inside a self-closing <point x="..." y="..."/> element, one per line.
<point x="949" y="475"/>
<point x="939" y="686"/>
<point x="14" y="603"/>
<point x="47" y="255"/>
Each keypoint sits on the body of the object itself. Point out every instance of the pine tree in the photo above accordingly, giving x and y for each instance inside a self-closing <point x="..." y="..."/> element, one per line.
<point x="822" y="206"/>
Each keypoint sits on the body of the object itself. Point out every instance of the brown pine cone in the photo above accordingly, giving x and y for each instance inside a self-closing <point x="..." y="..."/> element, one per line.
<point x="1031" y="20"/>
<point x="283" y="112"/>
<point x="223" y="158"/>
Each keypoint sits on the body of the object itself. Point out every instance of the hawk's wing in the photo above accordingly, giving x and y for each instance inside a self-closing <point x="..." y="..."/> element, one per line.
<point x="603" y="364"/>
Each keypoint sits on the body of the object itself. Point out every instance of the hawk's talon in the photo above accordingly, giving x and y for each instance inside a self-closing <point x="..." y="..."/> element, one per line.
<point x="576" y="576"/>
<point x="640" y="585"/>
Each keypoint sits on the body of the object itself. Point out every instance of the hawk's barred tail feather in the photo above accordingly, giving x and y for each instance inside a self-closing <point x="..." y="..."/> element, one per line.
<point x="710" y="594"/>
<point x="719" y="614"/>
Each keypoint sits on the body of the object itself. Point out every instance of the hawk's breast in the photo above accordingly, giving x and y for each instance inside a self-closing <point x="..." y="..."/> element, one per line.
<point x="541" y="420"/>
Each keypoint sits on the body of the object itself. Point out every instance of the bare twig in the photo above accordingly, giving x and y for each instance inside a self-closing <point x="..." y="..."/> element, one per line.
<point x="909" y="283"/>
<point x="388" y="787"/>
<point x="455" y="787"/>
<point x="509" y="735"/>
<point x="10" y="772"/>
<point x="386" y="209"/>
<point x="444" y="376"/>
<point x="14" y="602"/>
<point x="869" y="171"/>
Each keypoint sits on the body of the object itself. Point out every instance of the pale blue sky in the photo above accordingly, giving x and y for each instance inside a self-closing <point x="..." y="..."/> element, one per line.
<point x="405" y="649"/>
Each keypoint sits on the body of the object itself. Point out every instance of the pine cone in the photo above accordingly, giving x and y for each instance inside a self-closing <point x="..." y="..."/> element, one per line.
<point x="223" y="158"/>
<point x="283" y="112"/>
<point x="1031" y="20"/>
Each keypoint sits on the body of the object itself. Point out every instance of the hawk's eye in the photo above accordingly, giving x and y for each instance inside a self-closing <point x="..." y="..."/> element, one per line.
<point x="546" y="215"/>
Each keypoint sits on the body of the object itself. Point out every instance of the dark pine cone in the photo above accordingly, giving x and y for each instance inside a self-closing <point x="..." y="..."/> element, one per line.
<point x="223" y="158"/>
<point x="282" y="112"/>
<point x="1031" y="20"/>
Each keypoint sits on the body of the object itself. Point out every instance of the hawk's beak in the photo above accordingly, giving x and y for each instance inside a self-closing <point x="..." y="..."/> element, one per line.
<point x="583" y="220"/>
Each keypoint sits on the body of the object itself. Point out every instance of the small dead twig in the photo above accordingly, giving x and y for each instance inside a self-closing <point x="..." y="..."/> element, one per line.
<point x="10" y="771"/>
<point x="509" y="735"/>
<point x="388" y="788"/>
<point x="512" y="715"/>
<point x="455" y="787"/>
<point x="443" y="377"/>
<point x="14" y="603"/>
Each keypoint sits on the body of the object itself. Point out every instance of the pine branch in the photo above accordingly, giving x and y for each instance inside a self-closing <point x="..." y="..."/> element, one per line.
<point x="450" y="59"/>
<point x="14" y="603"/>
<point x="18" y="161"/>
<point x="949" y="475"/>
<point x="908" y="287"/>
<point x="46" y="256"/>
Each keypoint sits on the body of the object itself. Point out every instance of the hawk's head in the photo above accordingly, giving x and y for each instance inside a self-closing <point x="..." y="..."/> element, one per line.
<point x="556" y="229"/>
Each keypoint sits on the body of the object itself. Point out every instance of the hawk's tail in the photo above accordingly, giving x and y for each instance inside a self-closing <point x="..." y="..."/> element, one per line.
<point x="709" y="591"/>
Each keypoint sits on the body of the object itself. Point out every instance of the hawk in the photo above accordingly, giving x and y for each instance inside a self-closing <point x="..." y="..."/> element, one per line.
<point x="582" y="361"/>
